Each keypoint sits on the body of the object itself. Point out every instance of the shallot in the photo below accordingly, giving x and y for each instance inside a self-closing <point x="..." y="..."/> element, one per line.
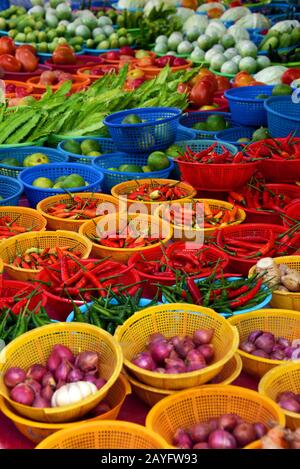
<point x="265" y="345"/>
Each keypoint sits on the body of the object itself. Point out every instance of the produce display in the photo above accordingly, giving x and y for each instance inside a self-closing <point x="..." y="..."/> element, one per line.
<point x="76" y="209"/>
<point x="157" y="192"/>
<point x="37" y="258"/>
<point x="17" y="58"/>
<point x="280" y="438"/>
<point x="209" y="156"/>
<point x="10" y="227"/>
<point x="30" y="160"/>
<point x="263" y="344"/>
<point x="62" y="182"/>
<point x="281" y="276"/>
<point x="288" y="400"/>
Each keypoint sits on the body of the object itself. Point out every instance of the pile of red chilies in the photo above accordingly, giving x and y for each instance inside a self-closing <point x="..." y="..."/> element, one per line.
<point x="209" y="156"/>
<point x="258" y="196"/>
<point x="279" y="149"/>
<point x="155" y="192"/>
<point x="9" y="227"/>
<point x="76" y="209"/>
<point x="37" y="258"/>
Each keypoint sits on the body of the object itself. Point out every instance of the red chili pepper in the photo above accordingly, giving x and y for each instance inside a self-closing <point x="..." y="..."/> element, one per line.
<point x="194" y="291"/>
<point x="244" y="299"/>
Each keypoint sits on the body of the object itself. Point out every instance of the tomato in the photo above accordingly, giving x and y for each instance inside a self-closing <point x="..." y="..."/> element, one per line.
<point x="7" y="45"/>
<point x="28" y="60"/>
<point x="201" y="94"/>
<point x="64" y="55"/>
<point x="202" y="72"/>
<point x="184" y="88"/>
<point x="223" y="83"/>
<point x="27" y="47"/>
<point x="9" y="63"/>
<point x="290" y="75"/>
<point x="256" y="83"/>
<point x="211" y="82"/>
<point x="243" y="79"/>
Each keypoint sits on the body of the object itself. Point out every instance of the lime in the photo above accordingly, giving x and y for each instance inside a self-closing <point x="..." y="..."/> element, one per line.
<point x="281" y="90"/>
<point x="146" y="169"/>
<point x="131" y="119"/>
<point x="122" y="32"/>
<point x="157" y="161"/>
<point x="35" y="159"/>
<point x="43" y="183"/>
<point x="1" y="197"/>
<point x="93" y="153"/>
<point x="60" y="179"/>
<point x="89" y="145"/>
<point x="72" y="146"/>
<point x="57" y="185"/>
<point x="130" y="168"/>
<point x="200" y="126"/>
<point x="173" y="151"/>
<point x="260" y="134"/>
<point x="262" y="96"/>
<point x="10" y="162"/>
<point x="113" y="169"/>
<point x="72" y="181"/>
<point x="243" y="140"/>
<point x="215" y="123"/>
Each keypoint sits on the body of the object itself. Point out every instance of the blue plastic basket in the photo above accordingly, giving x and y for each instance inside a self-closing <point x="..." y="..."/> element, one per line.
<point x="114" y="160"/>
<point x="11" y="190"/>
<point x="267" y="9"/>
<point x="3" y="33"/>
<point x="91" y="175"/>
<point x="233" y="135"/>
<point x="183" y="133"/>
<point x="191" y="118"/>
<point x="157" y="132"/>
<point x="106" y="144"/>
<point x="261" y="305"/>
<point x="290" y="15"/>
<point x="244" y="108"/>
<point x="283" y="116"/>
<point x="20" y="153"/>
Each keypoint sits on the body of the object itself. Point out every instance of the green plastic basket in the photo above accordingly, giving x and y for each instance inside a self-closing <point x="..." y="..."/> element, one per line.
<point x="226" y="75"/>
<point x="260" y="4"/>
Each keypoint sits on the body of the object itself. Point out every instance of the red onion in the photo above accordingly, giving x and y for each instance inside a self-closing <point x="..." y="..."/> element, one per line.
<point x="181" y="438"/>
<point x="247" y="347"/>
<point x="213" y="424"/>
<point x="87" y="361"/>
<point x="14" y="376"/>
<point x="265" y="342"/>
<point x="203" y="336"/>
<point x="160" y="350"/>
<point x="228" y="422"/>
<point x="156" y="337"/>
<point x="36" y="372"/>
<point x="277" y="355"/>
<point x="60" y="383"/>
<point x="62" y="371"/>
<point x="90" y="378"/>
<point x="145" y="361"/>
<point x="296" y="354"/>
<point x="23" y="394"/>
<point x="53" y="362"/>
<point x="292" y="405"/>
<point x="74" y="375"/>
<point x="201" y="446"/>
<point x="282" y="396"/>
<point x="176" y="363"/>
<point x="160" y="370"/>
<point x="207" y="351"/>
<point x="47" y="392"/>
<point x="100" y="382"/>
<point x="220" y="439"/>
<point x="199" y="432"/>
<point x="283" y="342"/>
<point x="100" y="409"/>
<point x="195" y="361"/>
<point x="176" y="340"/>
<point x="173" y="371"/>
<point x="173" y="354"/>
<point x="289" y="351"/>
<point x="260" y="429"/>
<point x="254" y="335"/>
<point x="40" y="401"/>
<point x="295" y="343"/>
<point x="277" y="347"/>
<point x="35" y="385"/>
<point x="48" y="380"/>
<point x="260" y="353"/>
<point x="184" y="346"/>
<point x="63" y="352"/>
<point x="179" y="61"/>
<point x="244" y="433"/>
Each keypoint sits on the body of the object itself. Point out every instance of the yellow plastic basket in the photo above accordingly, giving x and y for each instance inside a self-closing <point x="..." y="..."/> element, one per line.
<point x="20" y="243"/>
<point x="55" y="223"/>
<point x="119" y="221"/>
<point x="120" y="190"/>
<point x="109" y="434"/>
<point x="151" y="396"/>
<point x="283" y="378"/>
<point x="35" y="346"/>
<point x="188" y="234"/>
<point x="37" y="431"/>
<point x="176" y="319"/>
<point x="26" y="217"/>
<point x="191" y="406"/>
<point x="282" y="299"/>
<point x="280" y="322"/>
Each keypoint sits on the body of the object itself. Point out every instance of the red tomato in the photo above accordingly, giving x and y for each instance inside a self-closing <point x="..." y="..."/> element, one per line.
<point x="201" y="94"/>
<point x="27" y="47"/>
<point x="184" y="88"/>
<point x="64" y="55"/>
<point x="243" y="79"/>
<point x="290" y="75"/>
<point x="223" y="83"/>
<point x="28" y="60"/>
<point x="202" y="72"/>
<point x="211" y="82"/>
<point x="7" y="45"/>
<point x="9" y="63"/>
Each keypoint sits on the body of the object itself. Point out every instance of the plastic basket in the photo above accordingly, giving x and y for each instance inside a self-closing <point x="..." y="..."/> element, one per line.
<point x="184" y="233"/>
<point x="226" y="75"/>
<point x="282" y="299"/>
<point x="9" y="248"/>
<point x="191" y="406"/>
<point x="117" y="221"/>
<point x="20" y="153"/>
<point x="37" y="431"/>
<point x="239" y="264"/>
<point x="280" y="322"/>
<point x="108" y="434"/>
<point x="170" y="320"/>
<point x="91" y="72"/>
<point x="157" y="132"/>
<point x="106" y="144"/>
<point x="214" y="177"/>
<point x="184" y="133"/>
<point x="233" y="135"/>
<point x="152" y="72"/>
<point x="82" y="61"/>
<point x="56" y="223"/>
<point x="114" y="160"/>
<point x="10" y="190"/>
<point x="34" y="194"/>
<point x="43" y="56"/>
<point x="17" y="84"/>
<point x="189" y="119"/>
<point x="23" y="76"/>
<point x="280" y="379"/>
<point x="283" y="116"/>
<point x="13" y="287"/>
<point x="244" y="108"/>
<point x="25" y="217"/>
<point x="124" y="188"/>
<point x="96" y="52"/>
<point x="292" y="211"/>
<point x="35" y="346"/>
<point x="78" y="84"/>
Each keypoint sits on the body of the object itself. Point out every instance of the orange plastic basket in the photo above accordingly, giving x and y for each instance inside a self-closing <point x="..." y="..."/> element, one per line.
<point x="18" y="84"/>
<point x="151" y="396"/>
<point x="280" y="322"/>
<point x="37" y="431"/>
<point x="109" y="434"/>
<point x="20" y="243"/>
<point x="283" y="299"/>
<point x="56" y="223"/>
<point x="35" y="346"/>
<point x="26" y="217"/>
<point x="120" y="190"/>
<point x="283" y="378"/>
<point x="190" y="234"/>
<point x="186" y="408"/>
<point x="152" y="72"/>
<point x="78" y="83"/>
<point x="119" y="221"/>
<point x="105" y="68"/>
<point x="176" y="319"/>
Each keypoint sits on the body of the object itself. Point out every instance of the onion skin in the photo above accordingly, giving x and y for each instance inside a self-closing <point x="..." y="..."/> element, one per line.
<point x="289" y="351"/>
<point x="292" y="405"/>
<point x="156" y="337"/>
<point x="23" y="394"/>
<point x="244" y="433"/>
<point x="228" y="422"/>
<point x="199" y="432"/>
<point x="74" y="375"/>
<point x="63" y="352"/>
<point x="47" y="392"/>
<point x="48" y="379"/>
<point x="41" y="402"/>
<point x="184" y="347"/>
<point x="176" y="363"/>
<point x="296" y="354"/>
<point x="145" y="361"/>
<point x="35" y="385"/>
<point x="36" y="372"/>
<point x="265" y="342"/>
<point x="247" y="347"/>
<point x="87" y="361"/>
<point x="213" y="424"/>
<point x="14" y="376"/>
<point x="160" y="350"/>
<point x="285" y="395"/>
<point x="195" y="361"/>
<point x="53" y="362"/>
<point x="277" y="355"/>
<point x="207" y="351"/>
<point x="254" y="335"/>
<point x="260" y="429"/>
<point x="220" y="439"/>
<point x="283" y="342"/>
<point x="260" y="353"/>
<point x="62" y="371"/>
<point x="180" y="438"/>
<point x="203" y="336"/>
<point x="201" y="446"/>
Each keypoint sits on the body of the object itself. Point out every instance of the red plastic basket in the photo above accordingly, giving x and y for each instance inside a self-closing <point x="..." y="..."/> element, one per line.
<point x="292" y="211"/>
<point x="59" y="308"/>
<point x="82" y="61"/>
<point x="13" y="287"/>
<point x="104" y="68"/>
<point x="222" y="103"/>
<point x="24" y="76"/>
<point x="239" y="265"/>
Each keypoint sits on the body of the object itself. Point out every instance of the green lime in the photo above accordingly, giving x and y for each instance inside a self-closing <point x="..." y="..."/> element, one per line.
<point x="200" y="126"/>
<point x="1" y="197"/>
<point x="260" y="134"/>
<point x="130" y="168"/>
<point x="60" y="179"/>
<point x="215" y="123"/>
<point x="57" y="185"/>
<point x="281" y="90"/>
<point x="93" y="153"/>
<point x="131" y="119"/>
<point x="35" y="159"/>
<point x="157" y="161"/>
<point x="73" y="181"/>
<point x="72" y="146"/>
<point x="173" y="151"/>
<point x="113" y="169"/>
<point x="262" y="96"/>
<point x="10" y="162"/>
<point x="243" y="140"/>
<point x="43" y="183"/>
<point x="146" y="169"/>
<point x="89" y="145"/>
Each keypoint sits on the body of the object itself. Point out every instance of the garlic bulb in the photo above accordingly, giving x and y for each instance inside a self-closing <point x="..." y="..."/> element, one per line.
<point x="72" y="392"/>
